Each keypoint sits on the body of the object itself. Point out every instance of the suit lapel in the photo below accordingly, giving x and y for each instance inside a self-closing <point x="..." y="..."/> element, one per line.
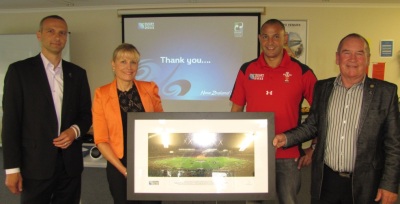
<point x="68" y="85"/>
<point x="42" y="80"/>
<point x="327" y="91"/>
<point x="114" y="100"/>
<point x="368" y="93"/>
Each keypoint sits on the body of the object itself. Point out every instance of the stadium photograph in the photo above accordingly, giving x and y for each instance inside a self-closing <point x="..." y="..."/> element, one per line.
<point x="201" y="154"/>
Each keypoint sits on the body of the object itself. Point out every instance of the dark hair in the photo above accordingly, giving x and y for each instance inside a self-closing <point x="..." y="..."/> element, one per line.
<point x="274" y="22"/>
<point x="49" y="17"/>
<point x="354" y="35"/>
<point x="126" y="48"/>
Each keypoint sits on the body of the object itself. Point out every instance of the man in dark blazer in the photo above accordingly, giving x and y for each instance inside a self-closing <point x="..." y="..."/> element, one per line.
<point x="46" y="107"/>
<point x="356" y="120"/>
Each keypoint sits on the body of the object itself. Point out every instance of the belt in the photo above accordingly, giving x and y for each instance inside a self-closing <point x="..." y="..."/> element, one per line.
<point x="341" y="174"/>
<point x="345" y="174"/>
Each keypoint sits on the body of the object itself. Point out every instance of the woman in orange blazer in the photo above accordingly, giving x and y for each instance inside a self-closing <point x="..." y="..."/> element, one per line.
<point x="110" y="106"/>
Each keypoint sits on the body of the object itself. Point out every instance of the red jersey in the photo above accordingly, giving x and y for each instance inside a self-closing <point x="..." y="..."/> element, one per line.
<point x="280" y="90"/>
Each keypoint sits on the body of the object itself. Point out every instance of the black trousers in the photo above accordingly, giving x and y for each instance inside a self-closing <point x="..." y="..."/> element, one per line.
<point x="59" y="189"/>
<point x="117" y="185"/>
<point x="335" y="189"/>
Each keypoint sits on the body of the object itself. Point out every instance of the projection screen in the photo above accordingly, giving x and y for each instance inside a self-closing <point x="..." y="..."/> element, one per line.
<point x="193" y="58"/>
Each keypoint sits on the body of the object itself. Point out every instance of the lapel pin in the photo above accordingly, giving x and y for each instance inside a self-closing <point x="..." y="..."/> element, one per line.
<point x="371" y="86"/>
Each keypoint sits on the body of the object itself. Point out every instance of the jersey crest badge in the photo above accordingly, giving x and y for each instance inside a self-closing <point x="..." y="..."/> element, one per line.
<point x="287" y="75"/>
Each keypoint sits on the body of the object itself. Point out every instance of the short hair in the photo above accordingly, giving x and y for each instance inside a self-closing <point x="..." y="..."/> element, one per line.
<point x="274" y="22"/>
<point x="49" y="17"/>
<point x="354" y="35"/>
<point x="126" y="48"/>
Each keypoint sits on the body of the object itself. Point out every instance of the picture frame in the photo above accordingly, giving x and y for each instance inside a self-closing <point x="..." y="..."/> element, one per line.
<point x="386" y="48"/>
<point x="193" y="156"/>
<point x="297" y="42"/>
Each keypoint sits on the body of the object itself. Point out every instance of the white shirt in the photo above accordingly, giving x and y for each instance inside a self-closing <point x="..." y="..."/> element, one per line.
<point x="56" y="82"/>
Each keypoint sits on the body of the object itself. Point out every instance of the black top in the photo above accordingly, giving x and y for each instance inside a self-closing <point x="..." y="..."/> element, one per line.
<point x="129" y="101"/>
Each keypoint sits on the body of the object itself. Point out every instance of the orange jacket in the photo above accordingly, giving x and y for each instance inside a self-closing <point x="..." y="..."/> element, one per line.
<point x="107" y="121"/>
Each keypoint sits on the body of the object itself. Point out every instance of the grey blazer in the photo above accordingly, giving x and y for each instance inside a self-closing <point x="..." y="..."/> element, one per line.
<point x="30" y="120"/>
<point x="377" y="162"/>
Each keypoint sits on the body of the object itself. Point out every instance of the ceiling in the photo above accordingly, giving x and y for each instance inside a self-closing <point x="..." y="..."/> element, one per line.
<point x="40" y="4"/>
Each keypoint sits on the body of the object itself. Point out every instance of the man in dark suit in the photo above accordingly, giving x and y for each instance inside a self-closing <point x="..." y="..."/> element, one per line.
<point x="356" y="119"/>
<point x="46" y="107"/>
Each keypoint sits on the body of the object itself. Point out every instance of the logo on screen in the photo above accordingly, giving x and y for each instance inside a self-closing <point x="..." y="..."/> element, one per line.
<point x="146" y="25"/>
<point x="238" y="29"/>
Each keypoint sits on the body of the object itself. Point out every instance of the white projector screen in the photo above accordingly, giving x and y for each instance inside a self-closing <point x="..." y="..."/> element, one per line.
<point x="193" y="58"/>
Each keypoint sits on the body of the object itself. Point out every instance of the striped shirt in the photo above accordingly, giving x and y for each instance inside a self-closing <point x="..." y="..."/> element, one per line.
<point x="343" y="120"/>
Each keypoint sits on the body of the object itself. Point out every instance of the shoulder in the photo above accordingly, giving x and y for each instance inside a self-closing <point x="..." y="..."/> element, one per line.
<point x="246" y="65"/>
<point x="380" y="84"/>
<point x="146" y="86"/>
<point x="105" y="90"/>
<point x="324" y="83"/>
<point x="105" y="87"/>
<point x="23" y="63"/>
<point x="73" y="67"/>
<point x="24" y="68"/>
<point x="305" y="69"/>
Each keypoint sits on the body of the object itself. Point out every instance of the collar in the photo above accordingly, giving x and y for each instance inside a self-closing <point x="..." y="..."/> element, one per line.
<point x="286" y="59"/>
<point x="338" y="82"/>
<point x="47" y="64"/>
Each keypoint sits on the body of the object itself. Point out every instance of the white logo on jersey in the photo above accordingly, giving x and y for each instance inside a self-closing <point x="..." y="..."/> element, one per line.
<point x="287" y="75"/>
<point x="268" y="93"/>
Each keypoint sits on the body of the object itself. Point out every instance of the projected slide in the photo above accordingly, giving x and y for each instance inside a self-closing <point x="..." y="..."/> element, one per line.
<point x="192" y="57"/>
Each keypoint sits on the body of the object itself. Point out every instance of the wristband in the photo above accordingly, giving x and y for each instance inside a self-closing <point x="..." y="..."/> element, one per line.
<point x="76" y="133"/>
<point x="74" y="127"/>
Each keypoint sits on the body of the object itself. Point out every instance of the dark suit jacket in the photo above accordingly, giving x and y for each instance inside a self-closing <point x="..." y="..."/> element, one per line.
<point x="377" y="162"/>
<point x="30" y="120"/>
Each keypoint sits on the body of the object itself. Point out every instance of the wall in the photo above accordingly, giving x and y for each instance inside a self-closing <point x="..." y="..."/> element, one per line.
<point x="96" y="32"/>
<point x="326" y="27"/>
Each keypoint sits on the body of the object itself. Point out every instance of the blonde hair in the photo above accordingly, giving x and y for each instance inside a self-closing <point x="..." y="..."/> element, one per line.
<point x="126" y="48"/>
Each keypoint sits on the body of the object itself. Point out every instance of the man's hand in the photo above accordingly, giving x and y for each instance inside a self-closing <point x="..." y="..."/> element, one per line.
<point x="386" y="197"/>
<point x="14" y="182"/>
<point x="279" y="140"/>
<point x="306" y="159"/>
<point x="65" y="139"/>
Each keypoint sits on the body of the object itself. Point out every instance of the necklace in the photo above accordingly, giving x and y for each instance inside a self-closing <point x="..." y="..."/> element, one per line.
<point x="124" y="88"/>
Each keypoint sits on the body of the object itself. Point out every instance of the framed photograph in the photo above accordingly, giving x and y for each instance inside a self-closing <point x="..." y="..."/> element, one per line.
<point x="297" y="43"/>
<point x="386" y="48"/>
<point x="195" y="156"/>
